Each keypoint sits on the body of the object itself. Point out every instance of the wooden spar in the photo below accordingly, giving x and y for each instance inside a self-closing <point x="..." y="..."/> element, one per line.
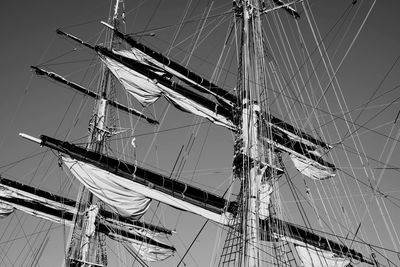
<point x="106" y="227"/>
<point x="286" y="6"/>
<point x="87" y="92"/>
<point x="152" y="75"/>
<point x="250" y="146"/>
<point x="86" y="245"/>
<point x="151" y="179"/>
<point x="280" y="127"/>
<point x="282" y="229"/>
<point x="197" y="81"/>
<point x="42" y="197"/>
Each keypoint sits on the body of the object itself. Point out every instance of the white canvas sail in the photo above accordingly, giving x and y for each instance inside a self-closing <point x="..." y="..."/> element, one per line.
<point x="142" y="88"/>
<point x="307" y="162"/>
<point x="311" y="168"/>
<point x="142" y="239"/>
<point x="128" y="197"/>
<point x="150" y="252"/>
<point x="8" y="192"/>
<point x="37" y="213"/>
<point x="146" y="251"/>
<point x="313" y="257"/>
<point x="109" y="188"/>
<point x="147" y="91"/>
<point x="138" y="55"/>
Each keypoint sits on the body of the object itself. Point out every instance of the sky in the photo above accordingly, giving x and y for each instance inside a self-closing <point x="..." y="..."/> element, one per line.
<point x="367" y="76"/>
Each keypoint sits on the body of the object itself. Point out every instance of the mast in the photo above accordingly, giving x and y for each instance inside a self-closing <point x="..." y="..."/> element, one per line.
<point x="261" y="136"/>
<point x="250" y="109"/>
<point x="87" y="246"/>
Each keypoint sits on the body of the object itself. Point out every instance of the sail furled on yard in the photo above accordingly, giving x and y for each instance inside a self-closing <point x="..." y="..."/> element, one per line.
<point x="143" y="241"/>
<point x="26" y="198"/>
<point x="128" y="195"/>
<point x="37" y="205"/>
<point x="311" y="168"/>
<point x="304" y="150"/>
<point x="150" y="252"/>
<point x="183" y="75"/>
<point x="312" y="256"/>
<point x="144" y="182"/>
<point x="107" y="187"/>
<point x="148" y="83"/>
<point x="274" y="228"/>
<point x="44" y="205"/>
<point x="147" y="75"/>
<point x="146" y="91"/>
<point x="148" y="56"/>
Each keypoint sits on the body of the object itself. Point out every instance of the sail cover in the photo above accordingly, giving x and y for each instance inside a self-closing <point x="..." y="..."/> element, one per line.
<point x="314" y="257"/>
<point x="109" y="188"/>
<point x="147" y="90"/>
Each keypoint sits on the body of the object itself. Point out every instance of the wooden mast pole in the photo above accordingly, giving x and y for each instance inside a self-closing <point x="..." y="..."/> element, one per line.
<point x="249" y="131"/>
<point x="86" y="252"/>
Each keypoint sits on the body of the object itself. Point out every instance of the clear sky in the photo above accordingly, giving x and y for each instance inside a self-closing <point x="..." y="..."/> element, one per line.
<point x="37" y="106"/>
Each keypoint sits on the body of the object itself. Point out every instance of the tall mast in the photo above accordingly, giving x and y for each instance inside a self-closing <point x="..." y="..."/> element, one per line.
<point x="251" y="73"/>
<point x="87" y="247"/>
<point x="99" y="132"/>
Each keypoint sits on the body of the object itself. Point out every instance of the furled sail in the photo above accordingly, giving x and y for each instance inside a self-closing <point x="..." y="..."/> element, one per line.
<point x="147" y="87"/>
<point x="41" y="204"/>
<point x="146" y="74"/>
<point x="297" y="235"/>
<point x="303" y="151"/>
<point x="145" y="244"/>
<point x="295" y="134"/>
<point x="36" y="205"/>
<point x="24" y="198"/>
<point x="146" y="91"/>
<point x="148" y="56"/>
<point x="312" y="257"/>
<point x="145" y="182"/>
<point x="122" y="193"/>
<point x="150" y="252"/>
<point x="111" y="190"/>
<point x="17" y="192"/>
<point x="147" y="84"/>
<point x="311" y="168"/>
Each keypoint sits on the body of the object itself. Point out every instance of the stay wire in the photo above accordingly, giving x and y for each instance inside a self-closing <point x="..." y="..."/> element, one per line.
<point x="377" y="89"/>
